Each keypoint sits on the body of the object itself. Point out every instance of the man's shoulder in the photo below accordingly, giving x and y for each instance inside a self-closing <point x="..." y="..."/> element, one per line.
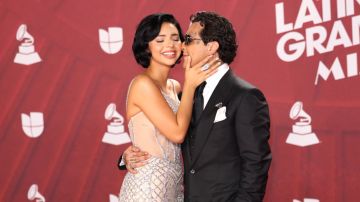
<point x="241" y="84"/>
<point x="244" y="87"/>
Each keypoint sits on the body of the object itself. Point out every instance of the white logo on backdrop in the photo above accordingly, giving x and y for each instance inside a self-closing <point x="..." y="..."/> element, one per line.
<point x="307" y="36"/>
<point x="32" y="125"/>
<point x="301" y="134"/>
<point x="111" y="41"/>
<point x="34" y="193"/>
<point x="307" y="200"/>
<point x="113" y="198"/>
<point x="115" y="134"/>
<point x="26" y="54"/>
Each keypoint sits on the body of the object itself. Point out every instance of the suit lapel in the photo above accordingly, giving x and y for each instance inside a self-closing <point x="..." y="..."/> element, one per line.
<point x="206" y="121"/>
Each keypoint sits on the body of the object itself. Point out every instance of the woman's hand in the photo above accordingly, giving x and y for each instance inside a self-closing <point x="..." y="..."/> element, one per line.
<point x="195" y="75"/>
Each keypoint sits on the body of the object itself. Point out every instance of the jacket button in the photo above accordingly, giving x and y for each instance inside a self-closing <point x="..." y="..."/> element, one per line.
<point x="192" y="171"/>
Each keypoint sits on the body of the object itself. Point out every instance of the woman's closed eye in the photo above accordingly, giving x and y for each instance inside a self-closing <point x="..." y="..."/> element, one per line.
<point x="175" y="38"/>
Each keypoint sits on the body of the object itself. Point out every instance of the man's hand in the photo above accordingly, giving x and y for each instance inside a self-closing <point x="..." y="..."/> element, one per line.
<point x="134" y="158"/>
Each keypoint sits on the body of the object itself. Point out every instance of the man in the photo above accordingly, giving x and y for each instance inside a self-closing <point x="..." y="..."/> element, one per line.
<point x="226" y="152"/>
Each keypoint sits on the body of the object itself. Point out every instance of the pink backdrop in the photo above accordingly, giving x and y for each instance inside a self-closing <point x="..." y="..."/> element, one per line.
<point x="76" y="80"/>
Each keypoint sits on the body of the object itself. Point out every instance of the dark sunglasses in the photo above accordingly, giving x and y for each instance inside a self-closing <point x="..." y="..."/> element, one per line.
<point x="188" y="39"/>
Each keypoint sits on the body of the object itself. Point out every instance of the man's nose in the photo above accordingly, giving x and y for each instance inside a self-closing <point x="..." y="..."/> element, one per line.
<point x="183" y="46"/>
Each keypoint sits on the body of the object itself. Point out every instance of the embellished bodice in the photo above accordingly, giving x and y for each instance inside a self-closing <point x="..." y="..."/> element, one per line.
<point x="161" y="178"/>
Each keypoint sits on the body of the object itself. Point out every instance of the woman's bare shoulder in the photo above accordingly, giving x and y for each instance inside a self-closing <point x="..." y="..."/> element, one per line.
<point x="142" y="83"/>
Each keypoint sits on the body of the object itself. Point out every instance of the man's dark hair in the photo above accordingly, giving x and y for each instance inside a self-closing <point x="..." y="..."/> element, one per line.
<point x="147" y="30"/>
<point x="217" y="28"/>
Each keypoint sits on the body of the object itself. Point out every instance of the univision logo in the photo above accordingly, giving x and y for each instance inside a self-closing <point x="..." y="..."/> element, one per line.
<point x="307" y="200"/>
<point x="32" y="125"/>
<point x="111" y="40"/>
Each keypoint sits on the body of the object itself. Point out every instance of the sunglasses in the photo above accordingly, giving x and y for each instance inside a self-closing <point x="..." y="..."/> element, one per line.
<point x="188" y="39"/>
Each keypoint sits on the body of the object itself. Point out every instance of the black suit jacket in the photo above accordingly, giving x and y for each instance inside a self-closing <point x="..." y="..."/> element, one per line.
<point x="231" y="158"/>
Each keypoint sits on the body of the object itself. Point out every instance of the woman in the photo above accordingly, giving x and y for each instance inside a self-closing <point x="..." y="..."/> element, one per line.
<point x="157" y="120"/>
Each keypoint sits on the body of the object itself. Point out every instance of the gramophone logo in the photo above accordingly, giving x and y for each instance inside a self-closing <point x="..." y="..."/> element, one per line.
<point x="115" y="134"/>
<point x="113" y="198"/>
<point x="34" y="193"/>
<point x="33" y="125"/>
<point x="307" y="200"/>
<point x="111" y="40"/>
<point x="301" y="134"/>
<point x="26" y="54"/>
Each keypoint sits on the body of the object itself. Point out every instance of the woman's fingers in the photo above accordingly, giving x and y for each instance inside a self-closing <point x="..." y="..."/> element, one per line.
<point x="199" y="72"/>
<point x="213" y="63"/>
<point x="187" y="62"/>
<point x="213" y="68"/>
<point x="210" y="69"/>
<point x="205" y="63"/>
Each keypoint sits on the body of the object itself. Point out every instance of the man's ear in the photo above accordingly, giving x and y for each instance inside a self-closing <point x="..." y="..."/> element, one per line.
<point x="212" y="47"/>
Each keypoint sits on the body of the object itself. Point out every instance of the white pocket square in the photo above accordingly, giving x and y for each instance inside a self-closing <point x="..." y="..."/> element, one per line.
<point x="220" y="114"/>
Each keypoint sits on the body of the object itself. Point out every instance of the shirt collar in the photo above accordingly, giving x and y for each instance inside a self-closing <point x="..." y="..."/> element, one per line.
<point x="213" y="81"/>
<point x="215" y="78"/>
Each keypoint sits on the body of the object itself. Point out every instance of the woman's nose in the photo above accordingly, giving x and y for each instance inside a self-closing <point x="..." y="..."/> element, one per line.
<point x="170" y="44"/>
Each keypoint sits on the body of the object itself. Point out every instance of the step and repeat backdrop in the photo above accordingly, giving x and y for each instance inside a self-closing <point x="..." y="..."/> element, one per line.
<point x="65" y="67"/>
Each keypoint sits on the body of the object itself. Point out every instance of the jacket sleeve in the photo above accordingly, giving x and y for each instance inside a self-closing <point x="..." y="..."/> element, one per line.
<point x="121" y="164"/>
<point x="252" y="132"/>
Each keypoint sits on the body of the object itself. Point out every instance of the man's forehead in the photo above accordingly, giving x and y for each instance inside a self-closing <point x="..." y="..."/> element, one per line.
<point x="194" y="28"/>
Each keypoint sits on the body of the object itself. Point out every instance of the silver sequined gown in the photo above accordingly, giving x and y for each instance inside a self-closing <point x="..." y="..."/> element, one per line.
<point x="162" y="178"/>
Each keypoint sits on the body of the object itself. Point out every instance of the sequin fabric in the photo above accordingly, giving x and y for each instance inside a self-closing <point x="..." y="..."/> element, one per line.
<point x="161" y="179"/>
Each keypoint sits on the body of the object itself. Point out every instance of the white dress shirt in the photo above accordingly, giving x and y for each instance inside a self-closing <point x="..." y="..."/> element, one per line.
<point x="213" y="81"/>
